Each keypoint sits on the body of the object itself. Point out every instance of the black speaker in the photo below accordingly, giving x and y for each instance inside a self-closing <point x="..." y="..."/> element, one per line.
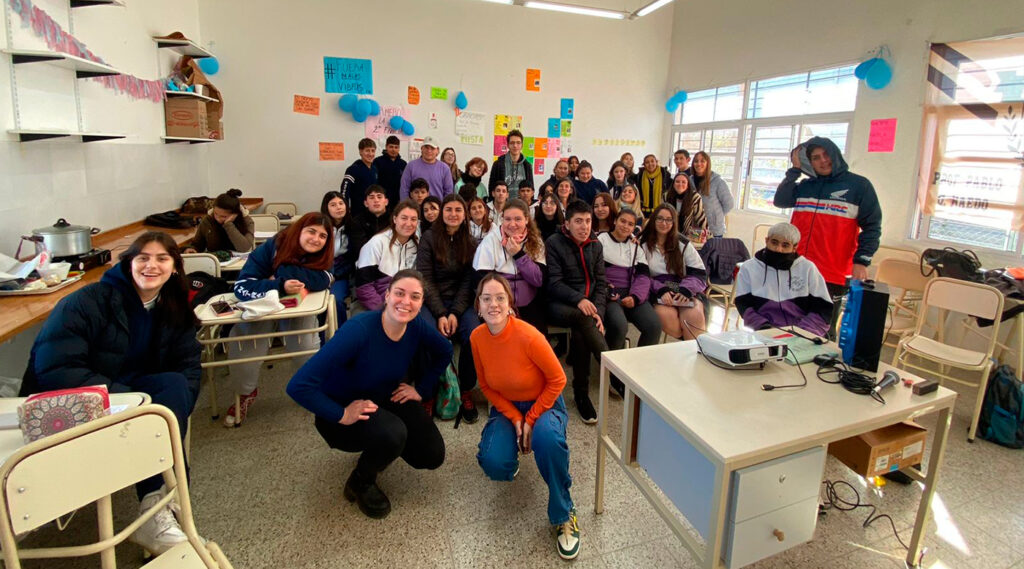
<point x="863" y="328"/>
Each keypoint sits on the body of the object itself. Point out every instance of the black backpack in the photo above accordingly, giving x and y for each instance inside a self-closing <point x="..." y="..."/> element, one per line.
<point x="949" y="262"/>
<point x="720" y="257"/>
<point x="203" y="286"/>
<point x="170" y="220"/>
<point x="1002" y="410"/>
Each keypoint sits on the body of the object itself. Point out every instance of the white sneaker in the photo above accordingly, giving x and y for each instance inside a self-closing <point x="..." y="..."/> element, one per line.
<point x="161" y="532"/>
<point x="567" y="537"/>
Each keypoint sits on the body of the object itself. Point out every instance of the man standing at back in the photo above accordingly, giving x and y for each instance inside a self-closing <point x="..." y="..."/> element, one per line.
<point x="360" y="175"/>
<point x="837" y="213"/>
<point x="436" y="173"/>
<point x="511" y="167"/>
<point x="390" y="166"/>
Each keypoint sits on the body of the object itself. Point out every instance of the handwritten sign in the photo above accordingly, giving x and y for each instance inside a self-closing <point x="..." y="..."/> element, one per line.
<point x="882" y="137"/>
<point x="533" y="79"/>
<point x="414" y="95"/>
<point x="440" y="93"/>
<point x="332" y="151"/>
<point x="470" y="127"/>
<point x="306" y="105"/>
<point x="344" y="75"/>
<point x="568" y="107"/>
<point x="379" y="127"/>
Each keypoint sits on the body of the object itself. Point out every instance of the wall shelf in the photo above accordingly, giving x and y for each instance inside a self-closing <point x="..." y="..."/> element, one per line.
<point x="173" y="139"/>
<point x="187" y="95"/>
<point x="31" y="135"/>
<point x="184" y="47"/>
<point x="83" y="67"/>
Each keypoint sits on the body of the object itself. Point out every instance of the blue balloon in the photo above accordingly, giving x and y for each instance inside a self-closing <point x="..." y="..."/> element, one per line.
<point x="364" y="107"/>
<point x="359" y="115"/>
<point x="396" y="122"/>
<point x="374" y="108"/>
<point x="408" y="129"/>
<point x="348" y="102"/>
<point x="879" y="75"/>
<point x="460" y="101"/>
<point x="862" y="70"/>
<point x="680" y="97"/>
<point x="209" y="65"/>
<point x="671" y="105"/>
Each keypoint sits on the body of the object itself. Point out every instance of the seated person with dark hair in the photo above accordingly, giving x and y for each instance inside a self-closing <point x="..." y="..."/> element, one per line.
<point x="371" y="220"/>
<point x="779" y="288"/>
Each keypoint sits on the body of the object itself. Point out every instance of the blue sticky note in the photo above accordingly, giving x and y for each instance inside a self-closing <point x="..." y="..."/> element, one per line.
<point x="567" y="108"/>
<point x="344" y="75"/>
<point x="554" y="128"/>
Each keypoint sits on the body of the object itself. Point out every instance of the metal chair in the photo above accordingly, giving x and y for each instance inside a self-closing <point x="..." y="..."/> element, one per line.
<point x="204" y="262"/>
<point x="265" y="226"/>
<point x="884" y="252"/>
<point x="760" y="234"/>
<point x="108" y="454"/>
<point x="273" y="208"/>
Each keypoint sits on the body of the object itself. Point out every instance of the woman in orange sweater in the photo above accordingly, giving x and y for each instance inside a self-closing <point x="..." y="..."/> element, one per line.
<point x="521" y="377"/>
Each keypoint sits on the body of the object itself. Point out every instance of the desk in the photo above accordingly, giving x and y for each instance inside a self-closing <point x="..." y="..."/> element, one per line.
<point x="732" y="424"/>
<point x="18" y="313"/>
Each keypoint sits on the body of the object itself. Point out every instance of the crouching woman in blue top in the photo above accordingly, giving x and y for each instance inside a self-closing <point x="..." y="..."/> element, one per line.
<point x="132" y="331"/>
<point x="356" y="387"/>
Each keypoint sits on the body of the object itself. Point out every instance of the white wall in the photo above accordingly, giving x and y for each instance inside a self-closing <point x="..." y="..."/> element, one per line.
<point x="737" y="39"/>
<point x="270" y="51"/>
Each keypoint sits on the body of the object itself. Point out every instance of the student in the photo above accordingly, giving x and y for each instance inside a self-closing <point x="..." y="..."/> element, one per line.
<point x="419" y="189"/>
<point x="618" y="178"/>
<point x="436" y="173"/>
<point x="779" y="288"/>
<point x="389" y="166"/>
<point x="577" y="292"/>
<point x="565" y="191"/>
<point x="226" y="227"/>
<point x="516" y="252"/>
<point x="714" y="193"/>
<point x="558" y="173"/>
<point x="681" y="159"/>
<point x="629" y="282"/>
<point x="131" y="331"/>
<point x="548" y="216"/>
<point x="445" y="259"/>
<point x="587" y="186"/>
<point x="430" y="210"/>
<point x="385" y="254"/>
<point x="685" y="200"/>
<point x="334" y="207"/>
<point x="574" y="164"/>
<point x="526" y="193"/>
<point x="678" y="276"/>
<point x="371" y="221"/>
<point x="654" y="182"/>
<point x="604" y="213"/>
<point x="473" y="176"/>
<point x="448" y="158"/>
<point x="628" y="199"/>
<point x="360" y="175"/>
<point x="297" y="259"/>
<point x="480" y="220"/>
<point x="499" y="197"/>
<point x="521" y="377"/>
<point x="627" y="161"/>
<point x="357" y="388"/>
<point x="511" y="167"/>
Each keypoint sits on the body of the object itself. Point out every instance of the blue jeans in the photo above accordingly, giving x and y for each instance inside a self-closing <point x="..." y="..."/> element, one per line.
<point x="467" y="323"/>
<point x="499" y="453"/>
<point x="340" y="291"/>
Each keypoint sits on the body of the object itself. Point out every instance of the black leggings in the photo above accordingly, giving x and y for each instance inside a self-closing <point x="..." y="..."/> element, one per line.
<point x="394" y="430"/>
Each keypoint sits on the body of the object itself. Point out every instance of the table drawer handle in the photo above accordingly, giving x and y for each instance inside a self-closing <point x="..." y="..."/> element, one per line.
<point x="779" y="534"/>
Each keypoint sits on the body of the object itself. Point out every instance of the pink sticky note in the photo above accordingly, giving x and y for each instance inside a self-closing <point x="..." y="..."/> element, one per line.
<point x="882" y="137"/>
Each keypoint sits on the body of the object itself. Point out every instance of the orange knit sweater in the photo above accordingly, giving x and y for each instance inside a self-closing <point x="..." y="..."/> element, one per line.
<point x="517" y="365"/>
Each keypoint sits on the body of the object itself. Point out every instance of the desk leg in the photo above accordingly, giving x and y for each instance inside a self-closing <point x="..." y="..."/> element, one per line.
<point x="602" y="430"/>
<point x="105" y="513"/>
<point x="934" y="460"/>
<point x="713" y="551"/>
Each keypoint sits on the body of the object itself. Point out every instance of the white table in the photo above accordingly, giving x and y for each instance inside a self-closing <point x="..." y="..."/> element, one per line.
<point x="729" y="420"/>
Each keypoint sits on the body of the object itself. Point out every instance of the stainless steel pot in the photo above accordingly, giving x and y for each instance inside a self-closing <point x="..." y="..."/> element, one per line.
<point x="64" y="239"/>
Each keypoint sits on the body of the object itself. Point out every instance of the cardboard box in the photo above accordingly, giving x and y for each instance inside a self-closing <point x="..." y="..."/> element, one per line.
<point x="186" y="117"/>
<point x="217" y="132"/>
<point x="883" y="450"/>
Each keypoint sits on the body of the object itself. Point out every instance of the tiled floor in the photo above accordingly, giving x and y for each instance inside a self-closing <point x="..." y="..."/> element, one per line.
<point x="270" y="494"/>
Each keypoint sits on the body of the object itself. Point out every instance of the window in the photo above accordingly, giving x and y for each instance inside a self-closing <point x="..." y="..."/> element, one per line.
<point x="720" y="144"/>
<point x="711" y="105"/>
<point x="826" y="91"/>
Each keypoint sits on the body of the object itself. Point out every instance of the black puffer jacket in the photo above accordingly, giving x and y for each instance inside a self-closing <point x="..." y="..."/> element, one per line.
<point x="85" y="341"/>
<point x="576" y="271"/>
<point x="448" y="283"/>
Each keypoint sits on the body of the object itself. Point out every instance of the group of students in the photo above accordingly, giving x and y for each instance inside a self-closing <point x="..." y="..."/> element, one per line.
<point x="418" y="288"/>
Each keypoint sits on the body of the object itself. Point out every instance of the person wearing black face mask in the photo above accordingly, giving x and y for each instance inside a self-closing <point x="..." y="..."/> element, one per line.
<point x="780" y="288"/>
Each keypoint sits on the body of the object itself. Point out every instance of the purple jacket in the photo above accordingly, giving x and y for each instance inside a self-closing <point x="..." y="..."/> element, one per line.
<point x="438" y="175"/>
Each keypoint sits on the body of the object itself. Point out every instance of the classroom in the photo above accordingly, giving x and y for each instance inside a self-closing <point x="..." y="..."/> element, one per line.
<point x="835" y="149"/>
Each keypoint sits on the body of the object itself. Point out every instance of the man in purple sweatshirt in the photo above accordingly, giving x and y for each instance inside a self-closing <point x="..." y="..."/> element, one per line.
<point x="428" y="167"/>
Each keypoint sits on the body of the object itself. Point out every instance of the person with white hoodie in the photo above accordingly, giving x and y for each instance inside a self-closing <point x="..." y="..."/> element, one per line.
<point x="385" y="254"/>
<point x="780" y="288"/>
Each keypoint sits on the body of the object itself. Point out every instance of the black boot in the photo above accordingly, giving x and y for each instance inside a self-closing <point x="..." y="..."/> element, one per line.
<point x="367" y="495"/>
<point x="585" y="408"/>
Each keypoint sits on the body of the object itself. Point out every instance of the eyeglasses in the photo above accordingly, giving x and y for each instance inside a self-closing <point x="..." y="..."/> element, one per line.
<point x="663" y="219"/>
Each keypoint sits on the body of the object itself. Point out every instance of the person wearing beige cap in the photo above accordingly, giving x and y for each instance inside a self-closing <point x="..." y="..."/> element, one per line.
<point x="428" y="167"/>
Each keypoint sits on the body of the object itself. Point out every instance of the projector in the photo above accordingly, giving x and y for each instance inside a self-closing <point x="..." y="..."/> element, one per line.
<point x="739" y="348"/>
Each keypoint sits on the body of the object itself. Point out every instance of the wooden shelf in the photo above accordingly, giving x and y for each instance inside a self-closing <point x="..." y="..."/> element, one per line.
<point x="87" y="3"/>
<point x="188" y="95"/>
<point x="184" y="47"/>
<point x="173" y="139"/>
<point x="83" y="67"/>
<point x="25" y="135"/>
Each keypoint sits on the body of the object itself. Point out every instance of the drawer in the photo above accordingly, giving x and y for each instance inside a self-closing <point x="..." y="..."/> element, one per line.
<point x="754" y="539"/>
<point x="771" y="485"/>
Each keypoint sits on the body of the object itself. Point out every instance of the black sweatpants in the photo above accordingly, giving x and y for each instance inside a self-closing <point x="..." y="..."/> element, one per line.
<point x="585" y="341"/>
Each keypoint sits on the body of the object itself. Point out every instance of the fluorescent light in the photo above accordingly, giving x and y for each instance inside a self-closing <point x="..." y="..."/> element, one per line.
<point x="499" y="1"/>
<point x="576" y="10"/>
<point x="651" y="7"/>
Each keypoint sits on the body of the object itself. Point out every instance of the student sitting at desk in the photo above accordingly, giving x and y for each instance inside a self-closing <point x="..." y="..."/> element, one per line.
<point x="226" y="227"/>
<point x="356" y="387"/>
<point x="297" y="259"/>
<point x="132" y="331"/>
<point x="780" y="288"/>
<point x="385" y="254"/>
<point x="678" y="276"/>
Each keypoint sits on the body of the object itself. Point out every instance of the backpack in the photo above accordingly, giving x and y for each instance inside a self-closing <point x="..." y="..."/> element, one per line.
<point x="449" y="398"/>
<point x="1002" y="410"/>
<point x="720" y="257"/>
<point x="203" y="286"/>
<point x="197" y="205"/>
<point x="949" y="262"/>
<point x="170" y="220"/>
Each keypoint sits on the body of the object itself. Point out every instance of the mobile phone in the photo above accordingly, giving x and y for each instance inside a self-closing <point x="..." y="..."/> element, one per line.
<point x="221" y="308"/>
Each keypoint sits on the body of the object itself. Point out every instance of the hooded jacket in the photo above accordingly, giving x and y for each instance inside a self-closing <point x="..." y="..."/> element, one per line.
<point x="625" y="267"/>
<point x="212" y="236"/>
<point x="587" y="191"/>
<point x="717" y="203"/>
<point x="499" y="174"/>
<point x="576" y="270"/>
<point x="838" y="215"/>
<point x="767" y="296"/>
<point x="358" y="177"/>
<point x="378" y="261"/>
<point x="695" y="277"/>
<point x="524" y="274"/>
<point x="258" y="276"/>
<point x="389" y="176"/>
<point x="449" y="284"/>
<point x="87" y="340"/>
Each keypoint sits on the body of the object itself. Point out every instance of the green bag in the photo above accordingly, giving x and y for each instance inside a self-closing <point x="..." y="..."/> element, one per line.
<point x="449" y="399"/>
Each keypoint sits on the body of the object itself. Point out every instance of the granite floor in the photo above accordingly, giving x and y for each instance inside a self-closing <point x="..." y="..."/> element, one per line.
<point x="270" y="493"/>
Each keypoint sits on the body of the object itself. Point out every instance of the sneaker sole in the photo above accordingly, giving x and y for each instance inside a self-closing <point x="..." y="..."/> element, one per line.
<point x="569" y="556"/>
<point x="589" y="421"/>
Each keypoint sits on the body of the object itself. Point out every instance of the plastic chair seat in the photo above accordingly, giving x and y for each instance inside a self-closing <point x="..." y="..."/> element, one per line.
<point x="945" y="353"/>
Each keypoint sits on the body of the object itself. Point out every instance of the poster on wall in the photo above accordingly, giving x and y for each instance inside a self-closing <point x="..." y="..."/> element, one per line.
<point x="568" y="108"/>
<point x="554" y="127"/>
<point x="882" y="136"/>
<point x="538" y="167"/>
<point x="414" y="148"/>
<point x="306" y="105"/>
<point x="566" y="129"/>
<point x="528" y="143"/>
<point x="332" y="151"/>
<point x="554" y="148"/>
<point x="414" y="95"/>
<point x="500" y="145"/>
<point x="470" y="127"/>
<point x="345" y="75"/>
<point x="505" y="123"/>
<point x="378" y="128"/>
<point x="533" y="79"/>
<point x="540" y="148"/>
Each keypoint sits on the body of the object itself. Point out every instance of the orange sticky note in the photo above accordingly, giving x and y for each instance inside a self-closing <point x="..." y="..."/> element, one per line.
<point x="414" y="95"/>
<point x="533" y="79"/>
<point x="332" y="151"/>
<point x="306" y="105"/>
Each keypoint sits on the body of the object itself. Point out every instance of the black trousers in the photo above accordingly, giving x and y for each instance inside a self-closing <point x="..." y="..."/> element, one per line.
<point x="837" y="292"/>
<point x="394" y="430"/>
<point x="585" y="341"/>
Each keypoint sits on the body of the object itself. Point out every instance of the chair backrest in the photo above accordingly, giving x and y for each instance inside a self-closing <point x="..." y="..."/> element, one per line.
<point x="965" y="297"/>
<point x="265" y="222"/>
<point x="885" y="252"/>
<point x="284" y="207"/>
<point x="760" y="234"/>
<point x="901" y="274"/>
<point x="204" y="262"/>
